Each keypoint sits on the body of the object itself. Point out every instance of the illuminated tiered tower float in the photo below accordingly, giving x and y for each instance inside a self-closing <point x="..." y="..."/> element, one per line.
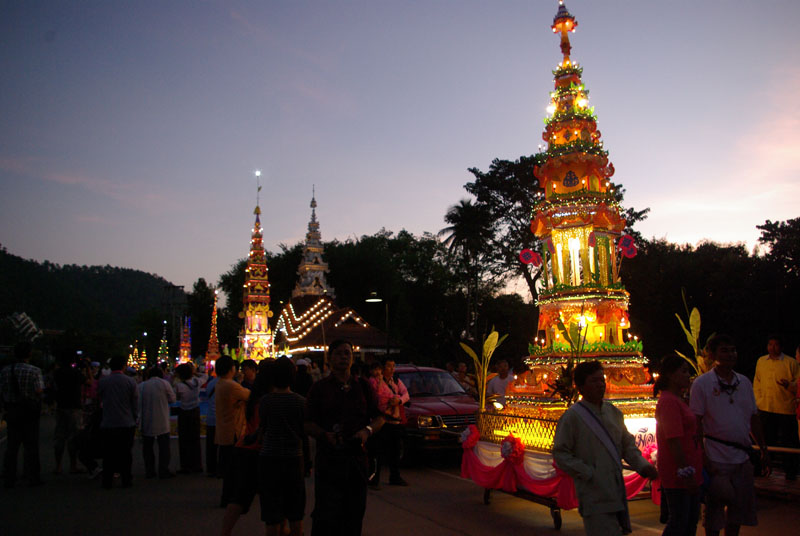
<point x="579" y="224"/>
<point x="256" y="337"/>
<point x="137" y="360"/>
<point x="163" y="347"/>
<point x="133" y="356"/>
<point x="143" y="359"/>
<point x="583" y="312"/>
<point x="185" y="351"/>
<point x="212" y="353"/>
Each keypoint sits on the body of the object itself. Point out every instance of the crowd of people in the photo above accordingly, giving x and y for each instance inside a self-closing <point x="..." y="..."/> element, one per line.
<point x="258" y="424"/>
<point x="705" y="430"/>
<point x="261" y="415"/>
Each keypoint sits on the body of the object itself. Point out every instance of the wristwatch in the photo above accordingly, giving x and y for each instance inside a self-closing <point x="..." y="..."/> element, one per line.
<point x="369" y="429"/>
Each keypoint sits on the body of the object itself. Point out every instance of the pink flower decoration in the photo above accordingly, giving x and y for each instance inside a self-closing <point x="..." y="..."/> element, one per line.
<point x="512" y="449"/>
<point x="470" y="437"/>
<point x="650" y="453"/>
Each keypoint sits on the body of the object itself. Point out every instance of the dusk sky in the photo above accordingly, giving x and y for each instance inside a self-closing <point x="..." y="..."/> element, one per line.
<point x="131" y="130"/>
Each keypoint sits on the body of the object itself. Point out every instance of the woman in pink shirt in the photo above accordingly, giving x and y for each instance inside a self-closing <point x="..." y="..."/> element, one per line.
<point x="680" y="459"/>
<point x="391" y="394"/>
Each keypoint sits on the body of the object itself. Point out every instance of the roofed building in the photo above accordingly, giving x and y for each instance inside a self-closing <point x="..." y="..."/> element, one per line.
<point x="311" y="320"/>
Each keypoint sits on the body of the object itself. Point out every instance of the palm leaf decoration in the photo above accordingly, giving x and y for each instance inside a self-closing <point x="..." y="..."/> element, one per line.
<point x="490" y="344"/>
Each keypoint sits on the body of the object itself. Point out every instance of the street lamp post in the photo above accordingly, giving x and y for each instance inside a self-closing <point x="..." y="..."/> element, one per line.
<point x="374" y="298"/>
<point x="144" y="345"/>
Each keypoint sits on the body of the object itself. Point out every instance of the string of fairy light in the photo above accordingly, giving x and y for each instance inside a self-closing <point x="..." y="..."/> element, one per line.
<point x="298" y="327"/>
<point x="558" y="289"/>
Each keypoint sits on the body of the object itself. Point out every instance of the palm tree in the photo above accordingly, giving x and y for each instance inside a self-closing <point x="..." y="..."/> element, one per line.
<point x="467" y="237"/>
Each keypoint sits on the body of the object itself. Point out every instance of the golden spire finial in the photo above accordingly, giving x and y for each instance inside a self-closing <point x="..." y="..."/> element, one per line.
<point x="564" y="22"/>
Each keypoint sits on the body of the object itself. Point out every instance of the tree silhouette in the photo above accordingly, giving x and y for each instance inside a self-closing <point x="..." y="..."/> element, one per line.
<point x="468" y="239"/>
<point x="200" y="303"/>
<point x="783" y="240"/>
<point x="508" y="191"/>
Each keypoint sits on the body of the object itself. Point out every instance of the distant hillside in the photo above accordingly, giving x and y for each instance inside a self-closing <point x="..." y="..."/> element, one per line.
<point x="87" y="298"/>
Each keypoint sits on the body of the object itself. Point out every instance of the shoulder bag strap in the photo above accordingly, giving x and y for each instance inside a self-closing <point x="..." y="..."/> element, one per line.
<point x="600" y="431"/>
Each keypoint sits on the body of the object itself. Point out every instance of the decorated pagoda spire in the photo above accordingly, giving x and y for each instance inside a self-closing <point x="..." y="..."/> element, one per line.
<point x="163" y="348"/>
<point x="133" y="356"/>
<point x="212" y="354"/>
<point x="579" y="223"/>
<point x="312" y="270"/>
<point x="256" y="338"/>
<point x="143" y="359"/>
<point x="137" y="359"/>
<point x="185" y="351"/>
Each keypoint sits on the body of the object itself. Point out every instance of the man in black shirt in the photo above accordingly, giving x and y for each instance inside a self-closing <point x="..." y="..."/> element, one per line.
<point x="342" y="415"/>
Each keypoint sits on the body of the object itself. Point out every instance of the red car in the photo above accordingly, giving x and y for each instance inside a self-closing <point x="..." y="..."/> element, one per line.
<point x="438" y="410"/>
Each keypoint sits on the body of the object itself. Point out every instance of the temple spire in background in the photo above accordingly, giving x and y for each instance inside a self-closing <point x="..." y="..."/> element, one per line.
<point x="312" y="270"/>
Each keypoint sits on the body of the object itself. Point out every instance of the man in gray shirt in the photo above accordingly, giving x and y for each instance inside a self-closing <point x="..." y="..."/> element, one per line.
<point x="118" y="397"/>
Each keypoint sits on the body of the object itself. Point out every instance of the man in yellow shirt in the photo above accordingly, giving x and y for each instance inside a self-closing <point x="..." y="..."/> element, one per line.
<point x="775" y="385"/>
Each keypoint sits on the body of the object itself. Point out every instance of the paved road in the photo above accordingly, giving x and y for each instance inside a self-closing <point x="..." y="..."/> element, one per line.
<point x="438" y="502"/>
